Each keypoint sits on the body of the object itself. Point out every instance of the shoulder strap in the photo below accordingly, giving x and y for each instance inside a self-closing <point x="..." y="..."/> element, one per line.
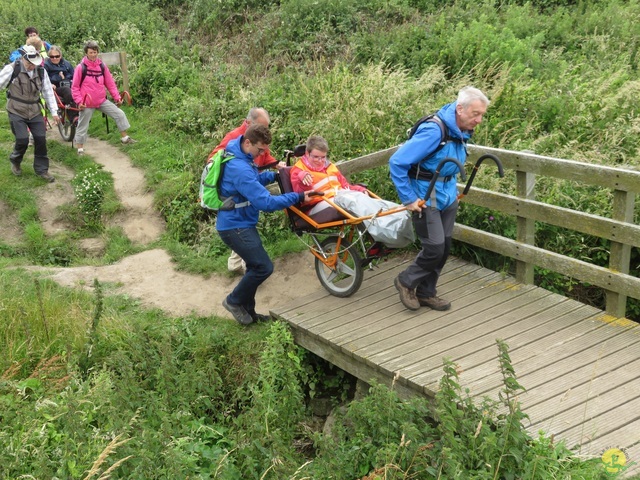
<point x="83" y="74"/>
<point x="415" y="170"/>
<point x="40" y="71"/>
<point x="16" y="71"/>
<point x="433" y="118"/>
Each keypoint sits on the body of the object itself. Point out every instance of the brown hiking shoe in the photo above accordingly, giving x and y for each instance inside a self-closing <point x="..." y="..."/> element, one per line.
<point x="407" y="296"/>
<point x="46" y="176"/>
<point x="15" y="169"/>
<point x="435" y="303"/>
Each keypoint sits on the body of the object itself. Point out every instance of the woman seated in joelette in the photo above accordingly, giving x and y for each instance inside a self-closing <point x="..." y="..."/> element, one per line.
<point x="60" y="73"/>
<point x="314" y="171"/>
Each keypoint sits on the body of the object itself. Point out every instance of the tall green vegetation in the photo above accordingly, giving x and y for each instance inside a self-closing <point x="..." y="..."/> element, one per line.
<point x="95" y="385"/>
<point x="106" y="388"/>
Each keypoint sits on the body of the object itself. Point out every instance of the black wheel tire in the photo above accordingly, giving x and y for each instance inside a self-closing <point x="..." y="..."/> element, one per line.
<point x="345" y="279"/>
<point x="67" y="129"/>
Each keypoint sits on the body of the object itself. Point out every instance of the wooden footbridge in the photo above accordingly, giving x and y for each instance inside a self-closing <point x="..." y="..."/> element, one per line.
<point x="580" y="365"/>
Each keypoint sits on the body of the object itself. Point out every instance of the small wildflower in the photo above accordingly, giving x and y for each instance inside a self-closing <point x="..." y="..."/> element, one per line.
<point x="89" y="190"/>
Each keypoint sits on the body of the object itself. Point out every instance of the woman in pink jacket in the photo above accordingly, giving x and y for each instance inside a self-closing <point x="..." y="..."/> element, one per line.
<point x="89" y="93"/>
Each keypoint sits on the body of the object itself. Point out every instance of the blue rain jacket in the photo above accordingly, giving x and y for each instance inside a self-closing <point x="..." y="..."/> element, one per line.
<point x="423" y="143"/>
<point x="242" y="181"/>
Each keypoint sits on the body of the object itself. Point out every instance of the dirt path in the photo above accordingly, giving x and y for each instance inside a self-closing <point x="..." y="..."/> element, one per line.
<point x="150" y="276"/>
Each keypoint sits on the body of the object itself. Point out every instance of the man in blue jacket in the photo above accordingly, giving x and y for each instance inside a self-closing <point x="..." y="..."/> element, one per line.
<point x="412" y="167"/>
<point x="237" y="226"/>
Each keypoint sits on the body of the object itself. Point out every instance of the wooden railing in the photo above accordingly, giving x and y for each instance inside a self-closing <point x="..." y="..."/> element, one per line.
<point x="620" y="229"/>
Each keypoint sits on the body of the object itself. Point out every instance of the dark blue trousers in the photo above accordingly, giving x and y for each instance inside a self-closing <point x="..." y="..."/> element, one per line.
<point x="247" y="243"/>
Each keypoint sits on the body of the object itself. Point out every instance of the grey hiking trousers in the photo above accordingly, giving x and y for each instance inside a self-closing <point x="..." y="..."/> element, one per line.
<point x="107" y="107"/>
<point x="423" y="273"/>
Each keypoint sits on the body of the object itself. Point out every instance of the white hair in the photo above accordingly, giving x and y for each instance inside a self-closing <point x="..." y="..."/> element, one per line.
<point x="469" y="94"/>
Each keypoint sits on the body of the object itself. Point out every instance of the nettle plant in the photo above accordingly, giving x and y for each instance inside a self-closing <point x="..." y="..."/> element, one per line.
<point x="90" y="186"/>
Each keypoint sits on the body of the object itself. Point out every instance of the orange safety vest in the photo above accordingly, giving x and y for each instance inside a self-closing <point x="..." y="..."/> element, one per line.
<point x="326" y="181"/>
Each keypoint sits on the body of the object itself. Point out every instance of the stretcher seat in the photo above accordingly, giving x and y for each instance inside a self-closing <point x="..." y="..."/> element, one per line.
<point x="325" y="216"/>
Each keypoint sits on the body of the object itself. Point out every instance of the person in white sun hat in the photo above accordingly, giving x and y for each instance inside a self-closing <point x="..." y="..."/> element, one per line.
<point x="25" y="80"/>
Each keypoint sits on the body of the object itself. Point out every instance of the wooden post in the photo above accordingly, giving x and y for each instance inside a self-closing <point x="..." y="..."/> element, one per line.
<point x="125" y="72"/>
<point x="117" y="58"/>
<point x="526" y="229"/>
<point x="620" y="256"/>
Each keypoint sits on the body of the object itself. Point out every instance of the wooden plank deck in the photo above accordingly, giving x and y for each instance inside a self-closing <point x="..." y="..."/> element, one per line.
<point x="581" y="367"/>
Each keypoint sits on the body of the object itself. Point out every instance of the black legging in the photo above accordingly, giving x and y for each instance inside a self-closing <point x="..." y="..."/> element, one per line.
<point x="65" y="95"/>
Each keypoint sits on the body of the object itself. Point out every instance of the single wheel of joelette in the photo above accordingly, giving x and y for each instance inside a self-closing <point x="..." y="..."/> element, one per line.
<point x="345" y="277"/>
<point x="67" y="128"/>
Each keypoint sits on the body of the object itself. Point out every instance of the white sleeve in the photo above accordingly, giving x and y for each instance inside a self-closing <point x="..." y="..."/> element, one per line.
<point x="5" y="75"/>
<point x="49" y="97"/>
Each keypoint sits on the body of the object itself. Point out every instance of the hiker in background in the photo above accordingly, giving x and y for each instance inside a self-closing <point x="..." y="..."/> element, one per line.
<point x="91" y="78"/>
<point x="237" y="226"/>
<point x="256" y="116"/>
<point x="25" y="80"/>
<point x="37" y="43"/>
<point x="434" y="223"/>
<point x="30" y="32"/>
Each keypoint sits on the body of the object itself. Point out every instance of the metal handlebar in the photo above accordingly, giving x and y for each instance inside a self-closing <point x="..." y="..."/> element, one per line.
<point x="126" y="97"/>
<point x="475" y="170"/>
<point x="436" y="174"/>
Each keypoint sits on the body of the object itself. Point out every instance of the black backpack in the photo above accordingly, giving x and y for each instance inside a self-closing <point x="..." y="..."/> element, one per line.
<point x="415" y="171"/>
<point x="433" y="118"/>
<point x="91" y="74"/>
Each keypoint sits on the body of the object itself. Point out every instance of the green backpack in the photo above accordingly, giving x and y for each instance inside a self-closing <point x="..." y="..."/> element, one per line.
<point x="210" y="198"/>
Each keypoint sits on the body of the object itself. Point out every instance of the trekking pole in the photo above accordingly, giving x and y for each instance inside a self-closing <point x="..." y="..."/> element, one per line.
<point x="475" y="170"/>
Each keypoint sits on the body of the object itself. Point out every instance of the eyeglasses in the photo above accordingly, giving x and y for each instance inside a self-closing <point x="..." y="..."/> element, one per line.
<point x="54" y="56"/>
<point x="318" y="157"/>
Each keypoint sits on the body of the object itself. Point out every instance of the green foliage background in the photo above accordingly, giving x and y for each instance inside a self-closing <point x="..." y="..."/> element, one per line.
<point x="222" y="402"/>
<point x="562" y="78"/>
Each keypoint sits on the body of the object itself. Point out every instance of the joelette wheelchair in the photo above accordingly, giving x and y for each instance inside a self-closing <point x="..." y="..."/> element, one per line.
<point x="340" y="241"/>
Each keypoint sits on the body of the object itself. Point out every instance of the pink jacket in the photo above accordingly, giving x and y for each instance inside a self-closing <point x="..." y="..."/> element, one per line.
<point x="92" y="91"/>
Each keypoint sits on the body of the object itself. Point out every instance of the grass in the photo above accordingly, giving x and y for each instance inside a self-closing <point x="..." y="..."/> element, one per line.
<point x="92" y="385"/>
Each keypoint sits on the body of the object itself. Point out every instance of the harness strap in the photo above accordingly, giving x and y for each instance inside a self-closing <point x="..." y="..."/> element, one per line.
<point x="416" y="172"/>
<point x="28" y="102"/>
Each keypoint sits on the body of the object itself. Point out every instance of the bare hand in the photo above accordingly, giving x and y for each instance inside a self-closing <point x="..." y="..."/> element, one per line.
<point x="308" y="196"/>
<point x="82" y="106"/>
<point x="416" y="206"/>
<point x="56" y="119"/>
<point x="307" y="179"/>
